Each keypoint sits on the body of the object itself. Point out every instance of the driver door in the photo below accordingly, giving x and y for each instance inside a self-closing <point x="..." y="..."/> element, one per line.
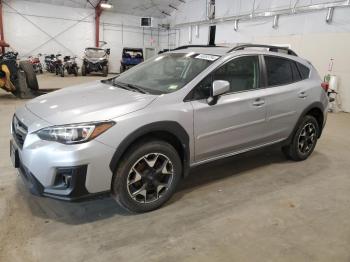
<point x="237" y="121"/>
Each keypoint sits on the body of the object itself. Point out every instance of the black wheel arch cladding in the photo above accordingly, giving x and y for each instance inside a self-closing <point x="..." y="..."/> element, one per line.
<point x="314" y="106"/>
<point x="170" y="127"/>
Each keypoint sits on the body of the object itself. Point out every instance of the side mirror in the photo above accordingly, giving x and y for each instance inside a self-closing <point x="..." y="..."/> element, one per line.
<point x="218" y="88"/>
<point x="108" y="51"/>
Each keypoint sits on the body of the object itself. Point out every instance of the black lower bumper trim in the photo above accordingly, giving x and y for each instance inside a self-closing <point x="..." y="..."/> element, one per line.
<point x="75" y="191"/>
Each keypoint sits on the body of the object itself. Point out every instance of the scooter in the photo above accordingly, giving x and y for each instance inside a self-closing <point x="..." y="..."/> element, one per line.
<point x="70" y="65"/>
<point x="37" y="66"/>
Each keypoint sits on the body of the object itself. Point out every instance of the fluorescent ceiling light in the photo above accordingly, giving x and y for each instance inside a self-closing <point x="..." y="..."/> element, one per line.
<point x="106" y="5"/>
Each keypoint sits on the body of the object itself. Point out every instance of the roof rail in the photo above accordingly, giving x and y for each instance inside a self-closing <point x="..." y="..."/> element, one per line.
<point x="189" y="46"/>
<point x="270" y="47"/>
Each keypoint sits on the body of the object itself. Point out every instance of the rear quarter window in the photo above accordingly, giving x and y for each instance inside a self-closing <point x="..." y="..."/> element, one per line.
<point x="304" y="71"/>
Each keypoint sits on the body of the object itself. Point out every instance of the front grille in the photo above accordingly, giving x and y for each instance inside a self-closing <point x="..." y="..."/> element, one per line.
<point x="19" y="131"/>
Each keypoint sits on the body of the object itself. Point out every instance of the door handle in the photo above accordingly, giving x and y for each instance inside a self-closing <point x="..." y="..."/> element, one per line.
<point x="302" y="94"/>
<point x="258" y="102"/>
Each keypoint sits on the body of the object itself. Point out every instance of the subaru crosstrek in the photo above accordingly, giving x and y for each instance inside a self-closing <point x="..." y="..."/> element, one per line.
<point x="136" y="135"/>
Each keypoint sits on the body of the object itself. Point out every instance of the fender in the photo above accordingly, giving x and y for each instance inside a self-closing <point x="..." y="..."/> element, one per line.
<point x="171" y="127"/>
<point x="318" y="105"/>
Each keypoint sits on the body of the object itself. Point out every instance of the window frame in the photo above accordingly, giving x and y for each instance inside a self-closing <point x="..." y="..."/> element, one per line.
<point x="289" y="60"/>
<point x="261" y="81"/>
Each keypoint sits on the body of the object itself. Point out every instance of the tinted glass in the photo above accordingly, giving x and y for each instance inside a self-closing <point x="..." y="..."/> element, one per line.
<point x="279" y="71"/>
<point x="296" y="74"/>
<point x="304" y="71"/>
<point x="242" y="73"/>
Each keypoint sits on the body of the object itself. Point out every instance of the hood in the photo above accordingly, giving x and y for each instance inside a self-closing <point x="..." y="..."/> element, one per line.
<point x="94" y="101"/>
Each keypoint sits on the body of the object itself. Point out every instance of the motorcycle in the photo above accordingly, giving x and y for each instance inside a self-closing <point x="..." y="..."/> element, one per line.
<point x="59" y="69"/>
<point x="50" y="63"/>
<point x="37" y="66"/>
<point x="70" y="65"/>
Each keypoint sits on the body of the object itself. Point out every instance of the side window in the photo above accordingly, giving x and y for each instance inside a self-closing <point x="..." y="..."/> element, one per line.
<point x="202" y="90"/>
<point x="304" y="71"/>
<point x="279" y="71"/>
<point x="242" y="73"/>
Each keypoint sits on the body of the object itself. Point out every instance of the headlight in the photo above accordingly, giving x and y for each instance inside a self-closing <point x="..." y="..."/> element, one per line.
<point x="75" y="133"/>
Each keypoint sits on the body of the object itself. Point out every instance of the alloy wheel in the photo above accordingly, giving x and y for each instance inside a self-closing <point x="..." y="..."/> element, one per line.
<point x="307" y="138"/>
<point x="150" y="177"/>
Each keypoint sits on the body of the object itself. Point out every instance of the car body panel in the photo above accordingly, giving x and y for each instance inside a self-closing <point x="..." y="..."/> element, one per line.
<point x="83" y="103"/>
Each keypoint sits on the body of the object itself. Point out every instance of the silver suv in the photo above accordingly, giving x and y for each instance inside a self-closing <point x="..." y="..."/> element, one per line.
<point x="136" y="135"/>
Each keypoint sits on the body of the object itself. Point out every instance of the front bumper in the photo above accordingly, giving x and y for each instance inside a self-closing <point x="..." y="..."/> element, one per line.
<point x="45" y="165"/>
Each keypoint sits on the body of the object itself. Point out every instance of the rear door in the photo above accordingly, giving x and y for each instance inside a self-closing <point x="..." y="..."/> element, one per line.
<point x="237" y="120"/>
<point x="282" y="94"/>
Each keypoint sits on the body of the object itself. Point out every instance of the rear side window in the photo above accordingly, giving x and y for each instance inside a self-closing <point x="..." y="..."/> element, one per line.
<point x="279" y="71"/>
<point x="304" y="71"/>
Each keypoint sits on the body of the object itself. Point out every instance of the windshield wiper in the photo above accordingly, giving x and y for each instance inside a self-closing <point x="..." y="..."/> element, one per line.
<point x="131" y="87"/>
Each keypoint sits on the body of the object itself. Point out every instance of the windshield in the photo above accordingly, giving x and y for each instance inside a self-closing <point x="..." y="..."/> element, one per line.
<point x="166" y="73"/>
<point x="95" y="53"/>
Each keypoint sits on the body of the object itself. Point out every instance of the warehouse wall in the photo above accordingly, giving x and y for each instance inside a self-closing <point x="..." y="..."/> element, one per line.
<point x="32" y="28"/>
<point x="308" y="34"/>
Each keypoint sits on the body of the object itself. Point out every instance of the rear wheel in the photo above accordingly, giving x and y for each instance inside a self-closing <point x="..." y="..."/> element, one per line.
<point x="147" y="176"/>
<point x="105" y="70"/>
<point x="31" y="79"/>
<point x="304" y="140"/>
<point x="122" y="69"/>
<point x="76" y="71"/>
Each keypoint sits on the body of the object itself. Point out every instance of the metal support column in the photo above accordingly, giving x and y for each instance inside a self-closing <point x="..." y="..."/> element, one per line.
<point x="2" y="29"/>
<point x="98" y="12"/>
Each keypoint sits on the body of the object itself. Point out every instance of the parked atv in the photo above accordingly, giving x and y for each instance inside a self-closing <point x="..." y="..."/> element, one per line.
<point x="17" y="78"/>
<point x="130" y="58"/>
<point x="37" y="66"/>
<point x="95" y="60"/>
<point x="70" y="65"/>
<point x="50" y="63"/>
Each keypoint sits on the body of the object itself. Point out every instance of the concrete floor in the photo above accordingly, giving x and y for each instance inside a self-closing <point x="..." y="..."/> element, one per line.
<point x="255" y="207"/>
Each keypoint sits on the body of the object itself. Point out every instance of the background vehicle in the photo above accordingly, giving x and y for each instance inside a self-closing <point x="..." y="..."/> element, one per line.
<point x="37" y="66"/>
<point x="17" y="78"/>
<point x="130" y="58"/>
<point x="70" y="65"/>
<point x="50" y="63"/>
<point x="140" y="135"/>
<point x="59" y="68"/>
<point x="95" y="60"/>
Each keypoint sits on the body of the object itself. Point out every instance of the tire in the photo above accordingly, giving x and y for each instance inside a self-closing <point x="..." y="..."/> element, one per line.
<point x="76" y="71"/>
<point x="156" y="194"/>
<point x="62" y="71"/>
<point x="32" y="81"/>
<point x="304" y="140"/>
<point x="105" y="70"/>
<point x="121" y="69"/>
<point x="83" y="70"/>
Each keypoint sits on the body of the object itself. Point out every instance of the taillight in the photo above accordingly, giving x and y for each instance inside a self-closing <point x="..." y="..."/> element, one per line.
<point x="325" y="86"/>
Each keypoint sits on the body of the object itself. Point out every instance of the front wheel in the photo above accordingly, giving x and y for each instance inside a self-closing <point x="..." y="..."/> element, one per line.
<point x="147" y="176"/>
<point x="304" y="140"/>
<point x="62" y="71"/>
